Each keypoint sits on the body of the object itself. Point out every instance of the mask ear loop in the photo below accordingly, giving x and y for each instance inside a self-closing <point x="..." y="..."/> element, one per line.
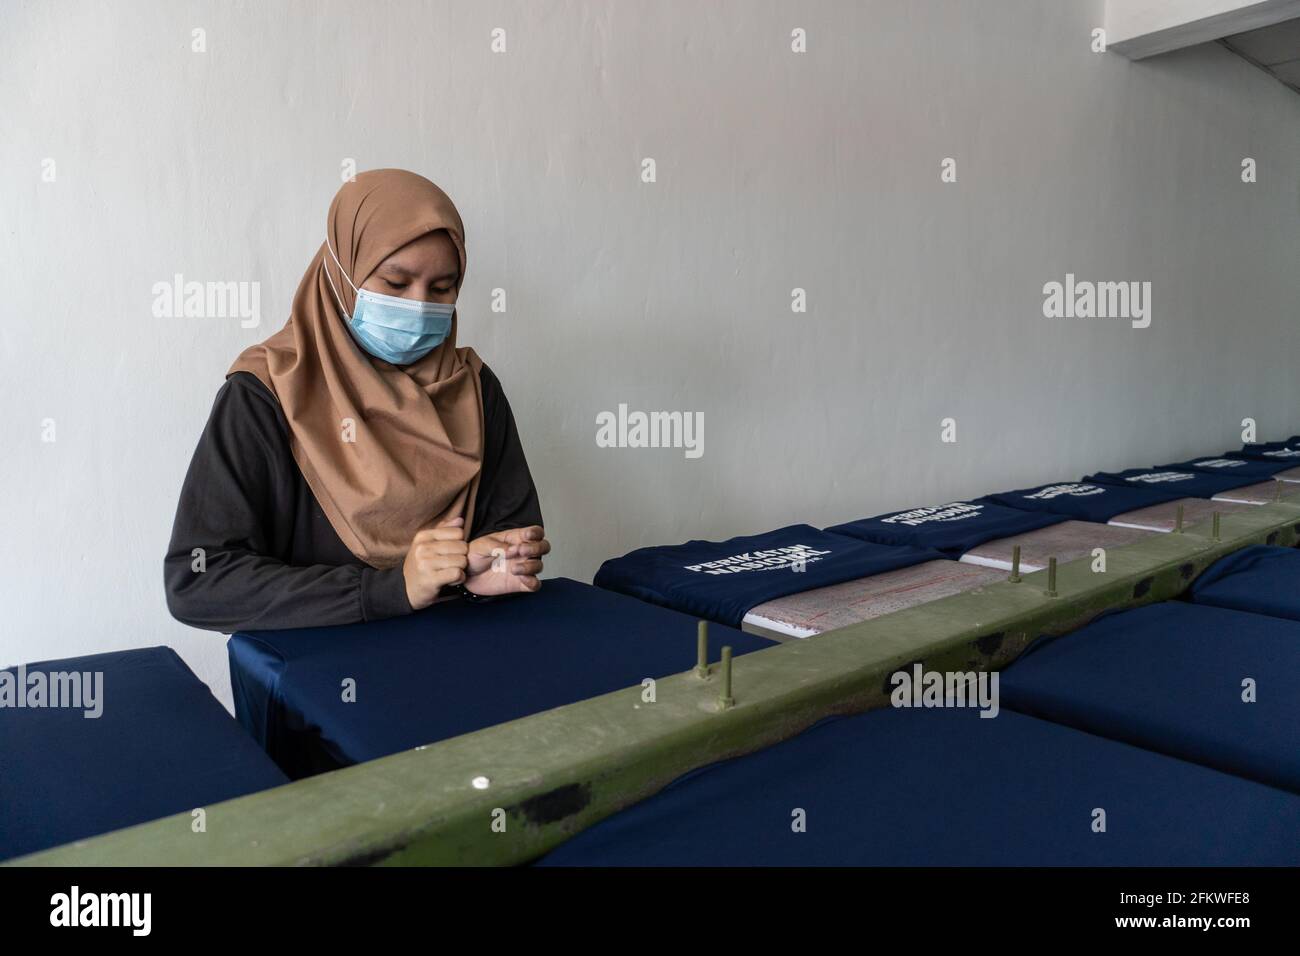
<point x="343" y="273"/>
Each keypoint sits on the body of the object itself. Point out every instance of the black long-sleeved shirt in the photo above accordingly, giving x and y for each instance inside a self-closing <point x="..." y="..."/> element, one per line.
<point x="270" y="557"/>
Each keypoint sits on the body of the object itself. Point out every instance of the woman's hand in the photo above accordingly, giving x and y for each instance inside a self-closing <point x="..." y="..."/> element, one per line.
<point x="507" y="561"/>
<point x="437" y="557"/>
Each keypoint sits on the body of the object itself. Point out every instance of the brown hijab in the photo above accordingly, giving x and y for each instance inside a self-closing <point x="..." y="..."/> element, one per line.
<point x="412" y="455"/>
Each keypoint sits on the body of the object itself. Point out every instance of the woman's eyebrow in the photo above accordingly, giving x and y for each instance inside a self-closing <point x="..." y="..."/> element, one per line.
<point x="404" y="272"/>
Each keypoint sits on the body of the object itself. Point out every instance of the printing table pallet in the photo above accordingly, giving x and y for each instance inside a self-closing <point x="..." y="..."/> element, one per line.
<point x="509" y="793"/>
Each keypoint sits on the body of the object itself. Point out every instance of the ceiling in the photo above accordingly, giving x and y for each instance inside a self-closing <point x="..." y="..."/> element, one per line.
<point x="1275" y="49"/>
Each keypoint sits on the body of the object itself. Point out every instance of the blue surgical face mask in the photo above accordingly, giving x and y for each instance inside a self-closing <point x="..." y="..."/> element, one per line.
<point x="396" y="330"/>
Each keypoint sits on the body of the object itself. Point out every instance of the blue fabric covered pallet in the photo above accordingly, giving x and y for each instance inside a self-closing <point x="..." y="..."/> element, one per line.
<point x="161" y="744"/>
<point x="451" y="669"/>
<point x="948" y="788"/>
<point x="1261" y="580"/>
<point x="1171" y="678"/>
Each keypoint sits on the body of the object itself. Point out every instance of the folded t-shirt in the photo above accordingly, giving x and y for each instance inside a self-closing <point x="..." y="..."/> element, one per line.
<point x="1257" y="469"/>
<point x="1085" y="500"/>
<point x="1188" y="484"/>
<point x="722" y="580"/>
<point x="1284" y="451"/>
<point x="951" y="529"/>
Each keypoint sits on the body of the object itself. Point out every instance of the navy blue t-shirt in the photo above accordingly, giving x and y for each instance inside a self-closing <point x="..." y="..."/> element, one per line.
<point x="1187" y="484"/>
<point x="1084" y="500"/>
<point x="1282" y="451"/>
<point x="1257" y="470"/>
<point x="722" y="580"/>
<point x="952" y="529"/>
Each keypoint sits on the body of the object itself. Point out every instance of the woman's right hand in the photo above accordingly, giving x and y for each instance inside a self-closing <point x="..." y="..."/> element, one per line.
<point x="437" y="558"/>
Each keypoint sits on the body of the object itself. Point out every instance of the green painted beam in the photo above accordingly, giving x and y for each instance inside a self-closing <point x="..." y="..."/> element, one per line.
<point x="550" y="775"/>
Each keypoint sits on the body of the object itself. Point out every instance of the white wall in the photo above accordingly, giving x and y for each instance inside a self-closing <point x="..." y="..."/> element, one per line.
<point x="775" y="170"/>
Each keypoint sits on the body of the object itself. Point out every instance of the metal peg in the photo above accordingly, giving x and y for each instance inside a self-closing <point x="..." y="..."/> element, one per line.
<point x="1178" y="521"/>
<point x="725" y="699"/>
<point x="1015" y="564"/>
<point x="702" y="650"/>
<point x="1051" y="577"/>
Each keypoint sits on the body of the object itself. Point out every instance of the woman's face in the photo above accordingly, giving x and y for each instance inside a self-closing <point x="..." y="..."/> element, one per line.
<point x="425" y="269"/>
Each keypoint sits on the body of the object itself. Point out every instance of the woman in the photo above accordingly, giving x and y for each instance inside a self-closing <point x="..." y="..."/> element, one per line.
<point x="357" y="465"/>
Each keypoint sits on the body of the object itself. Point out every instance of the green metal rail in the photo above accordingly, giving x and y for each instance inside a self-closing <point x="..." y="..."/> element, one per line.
<point x="509" y="793"/>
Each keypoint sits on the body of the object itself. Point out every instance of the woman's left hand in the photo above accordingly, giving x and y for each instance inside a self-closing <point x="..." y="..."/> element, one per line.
<point x="506" y="561"/>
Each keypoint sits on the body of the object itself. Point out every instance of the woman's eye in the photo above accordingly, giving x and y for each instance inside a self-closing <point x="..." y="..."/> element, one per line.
<point x="394" y="285"/>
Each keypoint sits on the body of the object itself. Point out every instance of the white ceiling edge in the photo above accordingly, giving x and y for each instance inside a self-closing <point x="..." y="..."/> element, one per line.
<point x="1142" y="28"/>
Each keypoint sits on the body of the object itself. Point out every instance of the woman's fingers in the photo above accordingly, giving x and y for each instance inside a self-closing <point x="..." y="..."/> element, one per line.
<point x="500" y="563"/>
<point x="516" y="541"/>
<point x="519" y="535"/>
<point x="532" y="549"/>
<point x="488" y="546"/>
<point x="497" y="550"/>
<point x="526" y="568"/>
<point x="444" y="532"/>
<point x="447" y="576"/>
<point x="436" y="562"/>
<point x="438" y="557"/>
<point x="441" y="546"/>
